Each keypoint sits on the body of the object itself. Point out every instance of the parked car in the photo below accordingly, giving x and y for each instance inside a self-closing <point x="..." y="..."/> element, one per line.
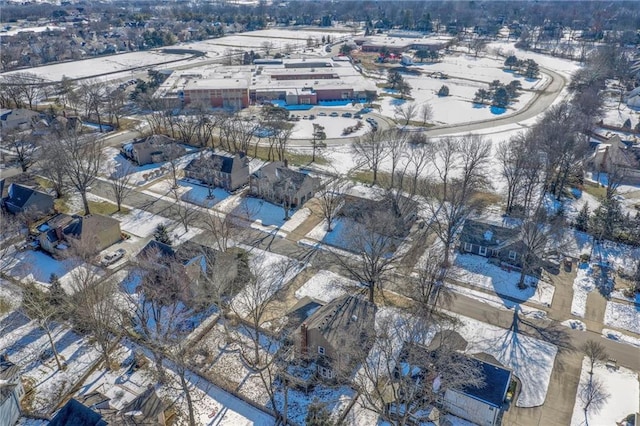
<point x="357" y="116"/>
<point x="347" y="114"/>
<point x="312" y="117"/>
<point x="322" y="114"/>
<point x="333" y="114"/>
<point x="111" y="258"/>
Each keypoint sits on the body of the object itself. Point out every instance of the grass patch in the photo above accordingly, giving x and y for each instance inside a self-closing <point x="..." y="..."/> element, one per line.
<point x="4" y="306"/>
<point x="293" y="157"/>
<point x="43" y="182"/>
<point x="595" y="189"/>
<point x="105" y="208"/>
<point x="61" y="204"/>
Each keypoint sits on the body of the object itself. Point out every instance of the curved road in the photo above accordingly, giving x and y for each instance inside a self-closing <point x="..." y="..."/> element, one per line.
<point x="541" y="101"/>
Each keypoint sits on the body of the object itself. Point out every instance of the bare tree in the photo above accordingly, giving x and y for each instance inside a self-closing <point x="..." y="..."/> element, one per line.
<point x="81" y="158"/>
<point x="426" y="113"/>
<point x="94" y="309"/>
<point x="593" y="396"/>
<point x="22" y="146"/>
<point x="183" y="210"/>
<point x="595" y="351"/>
<point x="374" y="244"/>
<point x="331" y="197"/>
<point x="370" y="151"/>
<point x="418" y="157"/>
<point x="512" y="157"/>
<point x="114" y="104"/>
<point x="396" y="379"/>
<point x="173" y="153"/>
<point x="397" y="149"/>
<point x="36" y="305"/>
<point x="428" y="288"/>
<point x="92" y="96"/>
<point x="120" y="183"/>
<point x="405" y="112"/>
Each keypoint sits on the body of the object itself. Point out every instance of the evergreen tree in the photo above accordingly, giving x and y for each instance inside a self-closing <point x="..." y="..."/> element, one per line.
<point x="162" y="235"/>
<point x="532" y="69"/>
<point x="501" y="97"/>
<point x="511" y="61"/>
<point x="627" y="124"/>
<point x="444" y="91"/>
<point x="318" y="415"/>
<point x="57" y="295"/>
<point x="582" y="220"/>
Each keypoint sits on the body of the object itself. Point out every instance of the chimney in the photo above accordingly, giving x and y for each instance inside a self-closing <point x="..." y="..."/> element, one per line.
<point x="59" y="233"/>
<point x="303" y="339"/>
<point x="286" y="163"/>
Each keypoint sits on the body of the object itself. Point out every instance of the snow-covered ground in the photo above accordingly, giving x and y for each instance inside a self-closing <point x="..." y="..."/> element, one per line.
<point x="477" y="271"/>
<point x="623" y="315"/>
<point x="620" y="337"/>
<point x="28" y="346"/>
<point x="624" y="395"/>
<point x="530" y="359"/>
<point x="333" y="126"/>
<point x="273" y="271"/>
<point x="140" y="222"/>
<point x="583" y="284"/>
<point x="325" y="286"/>
<point x="35" y="265"/>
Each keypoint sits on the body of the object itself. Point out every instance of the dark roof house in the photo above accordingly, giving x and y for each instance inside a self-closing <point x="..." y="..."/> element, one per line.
<point x="93" y="232"/>
<point x="276" y="182"/>
<point x="332" y="333"/>
<point x="22" y="199"/>
<point x="229" y="172"/>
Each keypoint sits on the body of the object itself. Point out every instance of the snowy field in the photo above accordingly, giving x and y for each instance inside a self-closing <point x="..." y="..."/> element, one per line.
<point x="140" y="222"/>
<point x="272" y="271"/>
<point x="36" y="265"/>
<point x="325" y="286"/>
<point x="583" y="284"/>
<point x="27" y="345"/>
<point x="623" y="315"/>
<point x="333" y="126"/>
<point x="477" y="271"/>
<point x="530" y="359"/>
<point x="262" y="211"/>
<point x="623" y="389"/>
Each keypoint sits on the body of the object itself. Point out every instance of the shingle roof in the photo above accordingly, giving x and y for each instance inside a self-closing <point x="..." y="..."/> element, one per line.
<point x="487" y="234"/>
<point x="345" y="321"/>
<point x="148" y="403"/>
<point x="496" y="383"/>
<point x="76" y="414"/>
<point x="20" y="195"/>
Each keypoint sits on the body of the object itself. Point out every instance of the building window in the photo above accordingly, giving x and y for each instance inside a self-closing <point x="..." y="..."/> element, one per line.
<point x="482" y="251"/>
<point x="467" y="246"/>
<point x="321" y="350"/>
<point x="512" y="255"/>
<point x="325" y="372"/>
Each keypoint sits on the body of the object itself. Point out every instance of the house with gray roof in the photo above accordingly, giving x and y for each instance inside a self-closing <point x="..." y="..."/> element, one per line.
<point x="277" y="183"/>
<point x="93" y="232"/>
<point x="330" y="335"/>
<point x="228" y="172"/>
<point x="489" y="240"/>
<point x="22" y="199"/>
<point x="153" y="149"/>
<point x="11" y="391"/>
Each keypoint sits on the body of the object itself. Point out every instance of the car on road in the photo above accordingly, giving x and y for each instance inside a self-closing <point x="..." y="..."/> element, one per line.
<point x="111" y="258"/>
<point x="333" y="114"/>
<point x="347" y="115"/>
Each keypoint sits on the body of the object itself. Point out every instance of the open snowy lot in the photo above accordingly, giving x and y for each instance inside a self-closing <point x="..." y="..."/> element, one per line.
<point x="623" y="315"/>
<point x="477" y="271"/>
<point x="530" y="359"/>
<point x="325" y="286"/>
<point x="27" y="345"/>
<point x="36" y="265"/>
<point x="624" y="395"/>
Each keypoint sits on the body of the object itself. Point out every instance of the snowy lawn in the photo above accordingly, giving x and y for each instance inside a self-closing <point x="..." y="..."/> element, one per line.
<point x="622" y="387"/>
<point x="36" y="265"/>
<point x="257" y="209"/>
<point x="272" y="271"/>
<point x="530" y="359"/>
<point x="623" y="315"/>
<point x="296" y="219"/>
<point x="325" y="286"/>
<point x="140" y="222"/>
<point x="28" y="346"/>
<point x="334" y="399"/>
<point x="477" y="271"/>
<point x="199" y="194"/>
<point x="333" y="126"/>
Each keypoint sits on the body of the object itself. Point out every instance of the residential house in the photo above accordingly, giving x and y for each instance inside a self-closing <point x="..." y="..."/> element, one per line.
<point x="365" y="211"/>
<point x="617" y="156"/>
<point x="229" y="172"/>
<point x="198" y="260"/>
<point x="18" y="118"/>
<point x="95" y="409"/>
<point x="22" y="199"/>
<point x="482" y="405"/>
<point x="153" y="149"/>
<point x="502" y="243"/>
<point x="277" y="183"/>
<point x="336" y="335"/>
<point x="93" y="232"/>
<point x="11" y="392"/>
